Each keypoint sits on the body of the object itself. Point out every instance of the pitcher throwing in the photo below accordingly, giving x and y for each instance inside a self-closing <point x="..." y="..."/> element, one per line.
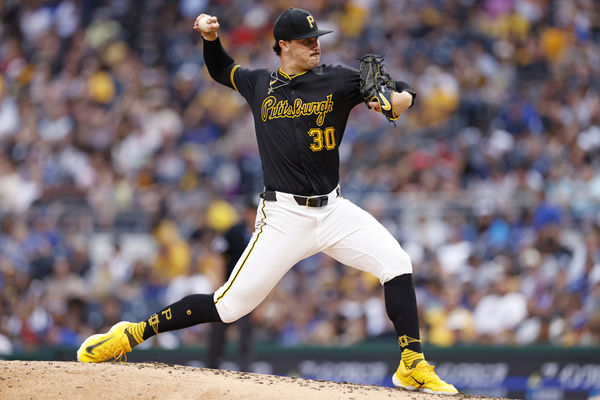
<point x="300" y="112"/>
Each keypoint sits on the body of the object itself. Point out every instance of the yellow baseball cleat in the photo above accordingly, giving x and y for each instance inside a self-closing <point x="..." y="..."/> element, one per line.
<point x="108" y="346"/>
<point x="422" y="378"/>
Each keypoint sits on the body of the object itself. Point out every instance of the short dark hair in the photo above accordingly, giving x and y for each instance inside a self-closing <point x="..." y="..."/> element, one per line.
<point x="277" y="48"/>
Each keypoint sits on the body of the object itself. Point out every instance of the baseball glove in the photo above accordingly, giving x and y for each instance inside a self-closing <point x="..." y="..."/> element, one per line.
<point x="377" y="85"/>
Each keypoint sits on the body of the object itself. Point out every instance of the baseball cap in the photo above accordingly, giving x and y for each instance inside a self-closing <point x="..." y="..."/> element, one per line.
<point x="296" y="23"/>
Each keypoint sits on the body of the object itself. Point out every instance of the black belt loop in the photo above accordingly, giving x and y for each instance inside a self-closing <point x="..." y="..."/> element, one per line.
<point x="269" y="195"/>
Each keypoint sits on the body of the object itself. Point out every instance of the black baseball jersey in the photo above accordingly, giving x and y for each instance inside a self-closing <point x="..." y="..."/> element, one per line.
<point x="299" y="120"/>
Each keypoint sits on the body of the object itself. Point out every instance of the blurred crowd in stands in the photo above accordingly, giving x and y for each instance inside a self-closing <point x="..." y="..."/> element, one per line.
<point x="122" y="162"/>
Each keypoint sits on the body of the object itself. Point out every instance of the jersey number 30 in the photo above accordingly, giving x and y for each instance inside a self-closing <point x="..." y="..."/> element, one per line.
<point x="322" y="139"/>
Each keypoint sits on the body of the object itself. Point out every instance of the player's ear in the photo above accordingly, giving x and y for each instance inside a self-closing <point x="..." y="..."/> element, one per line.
<point x="284" y="44"/>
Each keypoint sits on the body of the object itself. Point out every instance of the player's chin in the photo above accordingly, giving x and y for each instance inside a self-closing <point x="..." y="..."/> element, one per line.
<point x="314" y="59"/>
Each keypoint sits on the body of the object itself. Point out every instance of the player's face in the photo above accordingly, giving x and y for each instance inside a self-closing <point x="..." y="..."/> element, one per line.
<point x="306" y="52"/>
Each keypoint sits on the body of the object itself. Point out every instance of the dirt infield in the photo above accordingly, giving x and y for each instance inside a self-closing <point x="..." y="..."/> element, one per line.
<point x="74" y="381"/>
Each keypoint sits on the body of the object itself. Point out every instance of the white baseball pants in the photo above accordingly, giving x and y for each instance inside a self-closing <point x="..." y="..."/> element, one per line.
<point x="286" y="233"/>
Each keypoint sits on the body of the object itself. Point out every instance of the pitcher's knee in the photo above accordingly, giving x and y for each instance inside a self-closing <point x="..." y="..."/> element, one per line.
<point x="405" y="265"/>
<point x="400" y="265"/>
<point x="229" y="312"/>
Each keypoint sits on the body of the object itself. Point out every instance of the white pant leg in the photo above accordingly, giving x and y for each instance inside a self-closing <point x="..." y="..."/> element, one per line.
<point x="355" y="238"/>
<point x="283" y="236"/>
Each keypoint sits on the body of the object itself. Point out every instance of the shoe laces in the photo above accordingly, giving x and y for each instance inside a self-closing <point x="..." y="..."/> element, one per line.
<point x="427" y="370"/>
<point x="114" y="352"/>
<point x="120" y="356"/>
<point x="119" y="353"/>
<point x="428" y="367"/>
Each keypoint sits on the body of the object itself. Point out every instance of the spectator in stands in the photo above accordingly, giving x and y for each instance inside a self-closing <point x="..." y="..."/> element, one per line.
<point x="107" y="120"/>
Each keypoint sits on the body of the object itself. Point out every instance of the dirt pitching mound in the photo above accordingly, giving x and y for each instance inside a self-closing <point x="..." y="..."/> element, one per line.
<point x="75" y="381"/>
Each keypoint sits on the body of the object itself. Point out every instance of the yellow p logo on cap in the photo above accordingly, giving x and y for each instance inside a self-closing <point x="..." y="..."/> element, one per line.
<point x="311" y="20"/>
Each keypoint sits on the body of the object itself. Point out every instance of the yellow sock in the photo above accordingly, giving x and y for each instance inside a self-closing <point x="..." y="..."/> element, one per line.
<point x="136" y="333"/>
<point x="412" y="358"/>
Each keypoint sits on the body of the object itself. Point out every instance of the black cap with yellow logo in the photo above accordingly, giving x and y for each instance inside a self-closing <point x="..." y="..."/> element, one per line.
<point x="296" y="23"/>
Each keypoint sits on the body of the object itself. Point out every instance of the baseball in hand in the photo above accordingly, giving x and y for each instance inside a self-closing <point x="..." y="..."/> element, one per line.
<point x="202" y="23"/>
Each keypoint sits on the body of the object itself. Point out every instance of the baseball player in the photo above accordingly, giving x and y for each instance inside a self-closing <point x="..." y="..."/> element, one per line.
<point x="300" y="111"/>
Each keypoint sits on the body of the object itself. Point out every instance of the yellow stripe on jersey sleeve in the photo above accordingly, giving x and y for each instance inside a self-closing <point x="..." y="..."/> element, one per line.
<point x="231" y="77"/>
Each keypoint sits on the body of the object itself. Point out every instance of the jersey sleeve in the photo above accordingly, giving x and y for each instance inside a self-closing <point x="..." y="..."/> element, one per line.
<point x="352" y="86"/>
<point x="218" y="62"/>
<point x="223" y="69"/>
<point x="243" y="80"/>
